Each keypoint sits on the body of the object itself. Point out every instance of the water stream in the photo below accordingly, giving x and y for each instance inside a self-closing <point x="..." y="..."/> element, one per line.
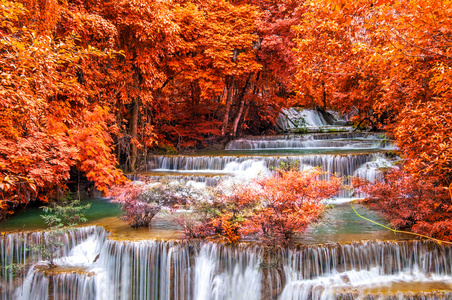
<point x="153" y="269"/>
<point x="342" y="257"/>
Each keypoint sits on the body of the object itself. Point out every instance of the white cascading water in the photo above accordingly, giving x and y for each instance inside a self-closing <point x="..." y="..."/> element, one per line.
<point x="341" y="270"/>
<point x="336" y="141"/>
<point x="222" y="275"/>
<point x="344" y="164"/>
<point x="35" y="286"/>
<point x="205" y="270"/>
<point x="371" y="170"/>
<point x="77" y="244"/>
<point x="248" y="167"/>
<point x="298" y="118"/>
<point x="206" y="180"/>
<point x="293" y="119"/>
<point x="229" y="170"/>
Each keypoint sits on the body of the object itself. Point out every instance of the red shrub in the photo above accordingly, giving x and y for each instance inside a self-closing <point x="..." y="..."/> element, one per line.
<point x="411" y="203"/>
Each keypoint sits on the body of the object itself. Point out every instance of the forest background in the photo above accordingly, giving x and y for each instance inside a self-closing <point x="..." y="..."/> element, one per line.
<point x="90" y="88"/>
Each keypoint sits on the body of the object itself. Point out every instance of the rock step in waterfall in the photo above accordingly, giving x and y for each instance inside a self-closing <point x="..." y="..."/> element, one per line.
<point x="94" y="267"/>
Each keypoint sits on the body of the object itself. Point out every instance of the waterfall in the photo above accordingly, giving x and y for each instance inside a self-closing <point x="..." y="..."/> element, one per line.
<point x="293" y="119"/>
<point x="371" y="170"/>
<point x="343" y="165"/>
<point x="93" y="266"/>
<point x="206" y="180"/>
<point x="297" y="118"/>
<point x="182" y="270"/>
<point x="336" y="141"/>
<point x="224" y="273"/>
<point x="35" y="286"/>
<point x="178" y="270"/>
<point x="212" y="169"/>
<point x="326" y="272"/>
<point x="15" y="251"/>
<point x="74" y="286"/>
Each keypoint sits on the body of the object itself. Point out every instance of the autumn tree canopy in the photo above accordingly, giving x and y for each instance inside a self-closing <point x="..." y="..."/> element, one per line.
<point x="49" y="121"/>
<point x="389" y="62"/>
<point x="88" y="86"/>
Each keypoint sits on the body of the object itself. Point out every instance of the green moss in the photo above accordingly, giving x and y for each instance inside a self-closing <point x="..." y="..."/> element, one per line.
<point x="166" y="149"/>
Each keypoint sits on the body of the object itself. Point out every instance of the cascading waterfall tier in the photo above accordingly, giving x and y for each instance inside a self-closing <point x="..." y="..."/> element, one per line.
<point x="205" y="270"/>
<point x="309" y="120"/>
<point x="15" y="250"/>
<point x="344" y="165"/>
<point x="41" y="285"/>
<point x="336" y="141"/>
<point x="360" y="156"/>
<point x="186" y="179"/>
<point x="250" y="166"/>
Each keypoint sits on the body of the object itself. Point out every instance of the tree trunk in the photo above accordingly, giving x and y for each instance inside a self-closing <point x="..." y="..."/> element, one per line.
<point x="195" y="93"/>
<point x="236" y="121"/>
<point x="369" y="119"/>
<point x="450" y="190"/>
<point x="229" y="98"/>
<point x="133" y="136"/>
<point x="118" y="121"/>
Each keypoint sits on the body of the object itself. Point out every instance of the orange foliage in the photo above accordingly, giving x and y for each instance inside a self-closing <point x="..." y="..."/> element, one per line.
<point x="42" y="105"/>
<point x="332" y="61"/>
<point x="291" y="201"/>
<point x="388" y="62"/>
<point x="272" y="209"/>
<point x="82" y="76"/>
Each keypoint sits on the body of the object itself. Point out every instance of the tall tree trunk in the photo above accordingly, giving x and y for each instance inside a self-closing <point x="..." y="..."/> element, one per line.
<point x="134" y="135"/>
<point x="137" y="78"/>
<point x="229" y="98"/>
<point x="118" y="121"/>
<point x="195" y="93"/>
<point x="450" y="190"/>
<point x="236" y="121"/>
